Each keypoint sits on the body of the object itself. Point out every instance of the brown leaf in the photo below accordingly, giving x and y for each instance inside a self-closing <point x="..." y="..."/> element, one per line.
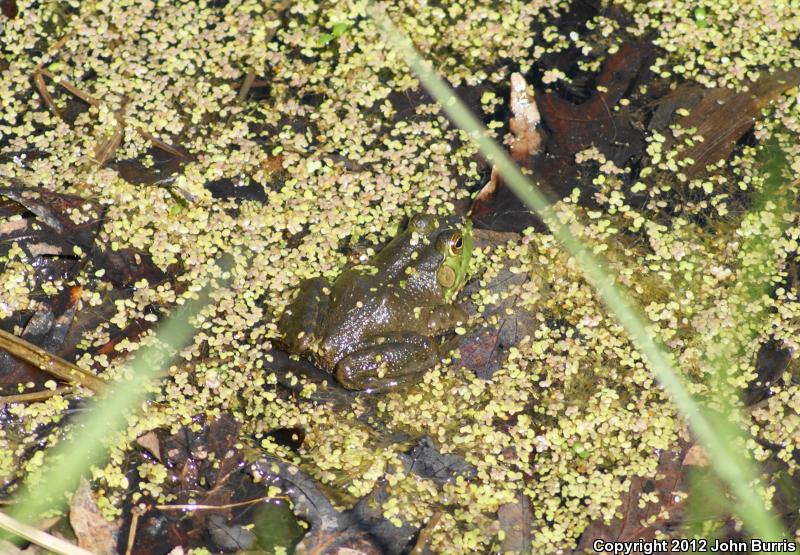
<point x="93" y="531"/>
<point x="576" y="127"/>
<point x="527" y="141"/>
<point x="125" y="267"/>
<point x="151" y="444"/>
<point x="515" y="520"/>
<point x="721" y="116"/>
<point x="484" y="348"/>
<point x="9" y="8"/>
<point x="107" y="146"/>
<point x="598" y="122"/>
<point x="56" y="209"/>
<point x="633" y="521"/>
<point x="696" y="456"/>
<point x="525" y="124"/>
<point x="46" y="329"/>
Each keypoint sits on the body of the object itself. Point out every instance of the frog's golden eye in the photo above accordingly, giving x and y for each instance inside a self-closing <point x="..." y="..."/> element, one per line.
<point x="456" y="244"/>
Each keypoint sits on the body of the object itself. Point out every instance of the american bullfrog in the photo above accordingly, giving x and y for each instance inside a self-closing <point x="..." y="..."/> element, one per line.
<point x="378" y="324"/>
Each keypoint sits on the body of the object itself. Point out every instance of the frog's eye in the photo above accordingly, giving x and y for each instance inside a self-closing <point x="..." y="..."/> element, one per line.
<point x="456" y="244"/>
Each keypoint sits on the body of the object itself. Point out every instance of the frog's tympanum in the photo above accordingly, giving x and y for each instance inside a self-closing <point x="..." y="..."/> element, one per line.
<point x="378" y="324"/>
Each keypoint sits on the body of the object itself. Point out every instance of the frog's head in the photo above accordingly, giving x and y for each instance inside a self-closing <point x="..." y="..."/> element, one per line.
<point x="451" y="239"/>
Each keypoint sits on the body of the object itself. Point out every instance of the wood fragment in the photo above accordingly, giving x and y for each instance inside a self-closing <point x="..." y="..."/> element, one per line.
<point x="225" y="507"/>
<point x="425" y="534"/>
<point x="48" y="362"/>
<point x="33" y="396"/>
<point x="158" y="143"/>
<point x="38" y="80"/>
<point x="249" y="79"/>
<point x="246" y="86"/>
<point x="40" y="538"/>
<point x="132" y="531"/>
<point x="54" y="48"/>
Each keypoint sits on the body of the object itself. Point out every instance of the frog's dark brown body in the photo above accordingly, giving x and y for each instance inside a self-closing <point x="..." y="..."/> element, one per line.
<point x="377" y="324"/>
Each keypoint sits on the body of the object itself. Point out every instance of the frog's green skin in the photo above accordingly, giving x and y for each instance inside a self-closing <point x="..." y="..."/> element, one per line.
<point x="376" y="326"/>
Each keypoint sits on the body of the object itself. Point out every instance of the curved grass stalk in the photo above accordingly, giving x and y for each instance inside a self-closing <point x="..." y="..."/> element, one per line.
<point x="105" y="416"/>
<point x="42" y="539"/>
<point x="737" y="471"/>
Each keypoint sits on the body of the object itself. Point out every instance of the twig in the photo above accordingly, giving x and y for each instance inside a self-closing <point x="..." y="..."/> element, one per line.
<point x="33" y="396"/>
<point x="249" y="79"/>
<point x="196" y="507"/>
<point x="38" y="80"/>
<point x="425" y="534"/>
<point x="158" y="143"/>
<point x="86" y="97"/>
<point x="83" y="95"/>
<point x="132" y="531"/>
<point x="40" y="538"/>
<point x="52" y="50"/>
<point x="49" y="362"/>
<point x="245" y="90"/>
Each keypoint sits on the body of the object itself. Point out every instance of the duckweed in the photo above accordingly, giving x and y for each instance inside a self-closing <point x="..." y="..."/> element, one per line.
<point x="572" y="414"/>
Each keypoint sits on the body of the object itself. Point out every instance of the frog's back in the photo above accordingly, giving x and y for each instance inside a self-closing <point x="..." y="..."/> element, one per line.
<point x="365" y="306"/>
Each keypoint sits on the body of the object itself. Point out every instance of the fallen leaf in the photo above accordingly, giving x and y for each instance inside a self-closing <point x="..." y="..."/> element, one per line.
<point x="94" y="532"/>
<point x="47" y="329"/>
<point x="515" y="520"/>
<point x="484" y="348"/>
<point x="721" y="116"/>
<point x="598" y="122"/>
<point x="633" y="522"/>
<point x="151" y="444"/>
<point x="56" y="210"/>
<point x="696" y="456"/>
<point x="527" y="141"/>
<point x="124" y="267"/>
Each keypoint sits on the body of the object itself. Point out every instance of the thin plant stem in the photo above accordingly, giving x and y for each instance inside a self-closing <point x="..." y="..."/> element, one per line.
<point x="733" y="467"/>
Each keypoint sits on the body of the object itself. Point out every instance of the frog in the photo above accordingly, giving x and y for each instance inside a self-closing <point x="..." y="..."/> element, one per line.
<point x="379" y="324"/>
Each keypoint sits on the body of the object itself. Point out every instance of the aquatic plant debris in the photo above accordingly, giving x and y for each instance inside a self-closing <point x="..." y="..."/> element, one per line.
<point x="337" y="136"/>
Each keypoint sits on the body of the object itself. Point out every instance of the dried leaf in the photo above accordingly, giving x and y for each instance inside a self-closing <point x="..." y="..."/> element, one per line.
<point x="93" y="531"/>
<point x="597" y="122"/>
<point x="525" y="123"/>
<point x="151" y="444"/>
<point x="56" y="209"/>
<point x="527" y="139"/>
<point x="9" y="8"/>
<point x="107" y="146"/>
<point x="47" y="329"/>
<point x="484" y="348"/>
<point x="515" y="520"/>
<point x="637" y="522"/>
<point x="720" y="115"/>
<point x="697" y="456"/>
<point x="125" y="267"/>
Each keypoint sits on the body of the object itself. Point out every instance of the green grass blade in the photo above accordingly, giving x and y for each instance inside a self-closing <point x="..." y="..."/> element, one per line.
<point x="106" y="415"/>
<point x="735" y="469"/>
